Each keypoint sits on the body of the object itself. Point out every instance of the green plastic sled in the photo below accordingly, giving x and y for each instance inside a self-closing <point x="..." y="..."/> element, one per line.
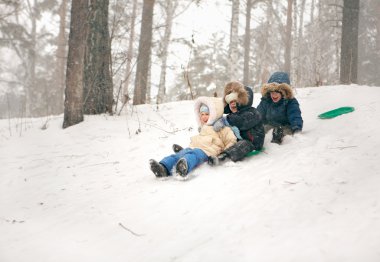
<point x="336" y="112"/>
<point x="255" y="152"/>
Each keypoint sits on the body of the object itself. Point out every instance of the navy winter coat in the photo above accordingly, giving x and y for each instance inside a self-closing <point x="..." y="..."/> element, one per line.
<point x="284" y="112"/>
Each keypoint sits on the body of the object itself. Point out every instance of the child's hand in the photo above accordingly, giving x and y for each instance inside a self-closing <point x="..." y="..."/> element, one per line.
<point x="219" y="124"/>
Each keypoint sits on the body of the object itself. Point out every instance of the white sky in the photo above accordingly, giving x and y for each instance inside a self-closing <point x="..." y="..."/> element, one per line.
<point x="203" y="20"/>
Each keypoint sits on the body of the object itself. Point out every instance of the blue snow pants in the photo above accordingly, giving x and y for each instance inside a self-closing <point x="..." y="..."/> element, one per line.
<point x="193" y="156"/>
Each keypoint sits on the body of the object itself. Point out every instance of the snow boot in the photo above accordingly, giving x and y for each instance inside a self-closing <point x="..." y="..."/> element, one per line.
<point x="238" y="151"/>
<point x="177" y="148"/>
<point x="222" y="156"/>
<point x="181" y="167"/>
<point x="278" y="134"/>
<point x="212" y="161"/>
<point x="216" y="160"/>
<point x="158" y="169"/>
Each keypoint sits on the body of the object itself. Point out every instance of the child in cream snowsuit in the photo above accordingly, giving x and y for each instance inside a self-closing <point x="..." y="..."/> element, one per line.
<point x="207" y="143"/>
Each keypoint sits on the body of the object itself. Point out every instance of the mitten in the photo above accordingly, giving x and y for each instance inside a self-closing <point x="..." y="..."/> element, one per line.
<point x="219" y="124"/>
<point x="236" y="132"/>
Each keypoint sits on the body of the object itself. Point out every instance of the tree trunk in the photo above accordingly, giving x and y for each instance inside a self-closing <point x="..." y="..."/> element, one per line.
<point x="143" y="61"/>
<point x="98" y="90"/>
<point x="312" y="11"/>
<point x="75" y="63"/>
<point x="337" y="31"/>
<point x="263" y="73"/>
<point x="234" y="41"/>
<point x="377" y="8"/>
<point x="61" y="59"/>
<point x="128" y="71"/>
<point x="300" y="53"/>
<point x="149" y="83"/>
<point x="170" y="9"/>
<point x="349" y="44"/>
<point x="34" y="97"/>
<point x="288" y="39"/>
<point x="247" y="42"/>
<point x="295" y="43"/>
<point x="317" y="48"/>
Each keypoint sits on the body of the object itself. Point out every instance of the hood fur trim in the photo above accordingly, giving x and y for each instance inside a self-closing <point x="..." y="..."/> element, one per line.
<point x="238" y="88"/>
<point x="284" y="89"/>
<point x="214" y="104"/>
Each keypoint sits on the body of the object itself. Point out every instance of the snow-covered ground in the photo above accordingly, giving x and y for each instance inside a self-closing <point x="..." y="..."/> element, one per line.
<point x="86" y="193"/>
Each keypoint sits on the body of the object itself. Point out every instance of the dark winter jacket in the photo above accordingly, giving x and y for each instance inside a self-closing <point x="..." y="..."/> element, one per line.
<point x="247" y="118"/>
<point x="285" y="112"/>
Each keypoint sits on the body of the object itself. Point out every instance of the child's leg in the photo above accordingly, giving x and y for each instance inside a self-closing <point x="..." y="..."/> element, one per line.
<point x="158" y="169"/>
<point x="194" y="158"/>
<point x="279" y="133"/>
<point x="170" y="161"/>
<point x="239" y="150"/>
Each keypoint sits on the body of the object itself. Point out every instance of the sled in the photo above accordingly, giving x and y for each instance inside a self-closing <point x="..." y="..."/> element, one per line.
<point x="254" y="152"/>
<point x="336" y="112"/>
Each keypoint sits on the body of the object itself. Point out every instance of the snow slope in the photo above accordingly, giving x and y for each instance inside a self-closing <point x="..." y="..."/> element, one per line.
<point x="86" y="193"/>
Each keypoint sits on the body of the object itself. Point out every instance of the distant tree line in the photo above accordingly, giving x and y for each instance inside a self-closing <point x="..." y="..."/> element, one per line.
<point x="99" y="56"/>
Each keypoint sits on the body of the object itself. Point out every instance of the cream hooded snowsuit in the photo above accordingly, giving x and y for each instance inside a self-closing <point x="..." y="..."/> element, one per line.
<point x="211" y="142"/>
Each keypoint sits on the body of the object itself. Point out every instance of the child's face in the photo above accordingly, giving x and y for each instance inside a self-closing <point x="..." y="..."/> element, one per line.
<point x="275" y="96"/>
<point x="233" y="106"/>
<point x="204" y="117"/>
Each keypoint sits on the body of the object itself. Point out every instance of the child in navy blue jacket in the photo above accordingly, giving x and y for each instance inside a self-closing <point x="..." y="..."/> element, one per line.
<point x="279" y="108"/>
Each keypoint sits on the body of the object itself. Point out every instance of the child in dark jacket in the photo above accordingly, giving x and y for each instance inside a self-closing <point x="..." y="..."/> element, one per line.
<point x="278" y="107"/>
<point x="238" y="101"/>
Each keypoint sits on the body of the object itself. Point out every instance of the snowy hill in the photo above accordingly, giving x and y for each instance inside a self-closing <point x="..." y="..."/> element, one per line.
<point x="86" y="193"/>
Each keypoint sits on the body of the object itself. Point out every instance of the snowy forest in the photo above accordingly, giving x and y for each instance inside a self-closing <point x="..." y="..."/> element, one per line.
<point x="93" y="57"/>
<point x="91" y="91"/>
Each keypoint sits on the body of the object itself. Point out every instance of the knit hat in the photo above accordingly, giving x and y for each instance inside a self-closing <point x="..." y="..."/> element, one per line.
<point x="204" y="109"/>
<point x="231" y="97"/>
<point x="279" y="77"/>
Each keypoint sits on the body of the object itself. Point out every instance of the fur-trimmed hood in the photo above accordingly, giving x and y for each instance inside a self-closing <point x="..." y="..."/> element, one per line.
<point x="284" y="89"/>
<point x="245" y="95"/>
<point x="215" y="106"/>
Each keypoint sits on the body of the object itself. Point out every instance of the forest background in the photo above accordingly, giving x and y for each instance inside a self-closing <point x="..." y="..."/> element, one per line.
<point x="156" y="51"/>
